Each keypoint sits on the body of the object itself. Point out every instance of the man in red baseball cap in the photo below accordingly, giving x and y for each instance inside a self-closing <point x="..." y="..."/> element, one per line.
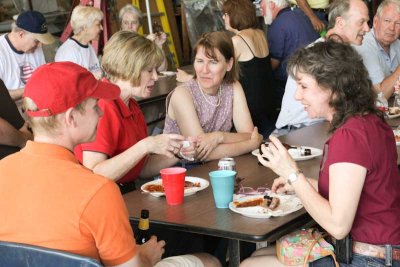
<point x="21" y="52"/>
<point x="48" y="198"/>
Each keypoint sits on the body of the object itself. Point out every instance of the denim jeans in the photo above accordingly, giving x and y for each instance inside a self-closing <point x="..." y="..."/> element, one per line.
<point x="358" y="261"/>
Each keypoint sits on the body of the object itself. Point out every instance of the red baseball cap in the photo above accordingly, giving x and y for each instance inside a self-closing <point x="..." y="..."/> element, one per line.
<point x="58" y="86"/>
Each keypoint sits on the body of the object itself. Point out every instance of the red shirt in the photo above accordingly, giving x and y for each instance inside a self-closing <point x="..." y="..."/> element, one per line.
<point x="119" y="128"/>
<point x="369" y="142"/>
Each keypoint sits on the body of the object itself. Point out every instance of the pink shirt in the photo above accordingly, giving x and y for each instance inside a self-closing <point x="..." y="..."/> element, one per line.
<point x="369" y="142"/>
<point x="212" y="118"/>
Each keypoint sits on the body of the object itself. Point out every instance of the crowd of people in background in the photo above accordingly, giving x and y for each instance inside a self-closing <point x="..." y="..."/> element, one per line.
<point x="77" y="129"/>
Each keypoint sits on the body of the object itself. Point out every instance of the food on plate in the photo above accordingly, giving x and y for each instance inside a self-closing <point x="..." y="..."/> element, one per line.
<point x="250" y="203"/>
<point x="394" y="110"/>
<point x="160" y="189"/>
<point x="302" y="150"/>
<point x="272" y="202"/>
<point x="154" y="188"/>
<point x="268" y="202"/>
<point x="189" y="184"/>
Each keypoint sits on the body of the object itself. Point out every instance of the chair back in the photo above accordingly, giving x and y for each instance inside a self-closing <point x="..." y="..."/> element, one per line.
<point x="23" y="255"/>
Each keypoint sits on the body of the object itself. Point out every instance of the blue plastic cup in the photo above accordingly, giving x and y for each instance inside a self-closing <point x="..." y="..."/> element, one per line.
<point x="223" y="183"/>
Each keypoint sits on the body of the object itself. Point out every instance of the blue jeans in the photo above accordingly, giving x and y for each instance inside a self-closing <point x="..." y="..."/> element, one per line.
<point x="358" y="261"/>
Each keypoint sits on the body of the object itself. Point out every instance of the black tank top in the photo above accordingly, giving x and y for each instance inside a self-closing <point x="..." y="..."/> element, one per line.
<point x="258" y="85"/>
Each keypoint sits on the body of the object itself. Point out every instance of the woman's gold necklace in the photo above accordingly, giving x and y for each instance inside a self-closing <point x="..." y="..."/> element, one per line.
<point x="205" y="98"/>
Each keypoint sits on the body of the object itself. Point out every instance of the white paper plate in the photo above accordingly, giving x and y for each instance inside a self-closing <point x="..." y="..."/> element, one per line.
<point x="288" y="204"/>
<point x="315" y="152"/>
<point x="188" y="191"/>
<point x="396" y="133"/>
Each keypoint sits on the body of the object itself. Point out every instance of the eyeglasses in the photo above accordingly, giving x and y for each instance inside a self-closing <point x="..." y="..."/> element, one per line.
<point x="248" y="191"/>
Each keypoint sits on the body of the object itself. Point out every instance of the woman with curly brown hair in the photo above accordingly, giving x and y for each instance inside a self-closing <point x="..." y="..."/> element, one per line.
<point x="358" y="188"/>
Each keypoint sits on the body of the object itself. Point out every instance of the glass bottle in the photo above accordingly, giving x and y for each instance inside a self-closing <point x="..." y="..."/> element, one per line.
<point x="143" y="233"/>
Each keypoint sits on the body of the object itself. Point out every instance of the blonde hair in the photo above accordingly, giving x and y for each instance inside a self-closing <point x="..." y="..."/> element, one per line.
<point x="127" y="54"/>
<point x="51" y="124"/>
<point x="83" y="17"/>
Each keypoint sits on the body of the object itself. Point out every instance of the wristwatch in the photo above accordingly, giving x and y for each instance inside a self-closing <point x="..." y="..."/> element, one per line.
<point x="293" y="177"/>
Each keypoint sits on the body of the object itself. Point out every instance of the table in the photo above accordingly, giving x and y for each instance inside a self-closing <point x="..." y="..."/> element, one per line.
<point x="199" y="215"/>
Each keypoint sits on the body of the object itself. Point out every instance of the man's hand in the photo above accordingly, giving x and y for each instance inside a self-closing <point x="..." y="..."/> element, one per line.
<point x="150" y="252"/>
<point x="318" y="25"/>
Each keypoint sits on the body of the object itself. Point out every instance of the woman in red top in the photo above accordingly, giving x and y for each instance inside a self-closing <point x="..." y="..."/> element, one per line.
<point x="358" y="188"/>
<point x="122" y="149"/>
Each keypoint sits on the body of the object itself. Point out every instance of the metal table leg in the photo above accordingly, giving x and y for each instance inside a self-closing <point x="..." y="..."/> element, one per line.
<point x="234" y="252"/>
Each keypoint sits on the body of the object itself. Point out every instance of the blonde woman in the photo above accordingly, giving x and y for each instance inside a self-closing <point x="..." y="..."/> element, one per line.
<point x="122" y="151"/>
<point x="86" y="25"/>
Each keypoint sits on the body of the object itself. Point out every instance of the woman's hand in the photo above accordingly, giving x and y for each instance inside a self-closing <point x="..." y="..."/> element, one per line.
<point x="280" y="186"/>
<point x="151" y="251"/>
<point x="158" y="38"/>
<point x="206" y="143"/>
<point x="164" y="144"/>
<point x="256" y="138"/>
<point x="277" y="158"/>
<point x="182" y="76"/>
<point x="188" y="149"/>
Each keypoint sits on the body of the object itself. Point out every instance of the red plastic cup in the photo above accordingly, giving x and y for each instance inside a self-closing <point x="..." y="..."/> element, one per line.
<point x="173" y="180"/>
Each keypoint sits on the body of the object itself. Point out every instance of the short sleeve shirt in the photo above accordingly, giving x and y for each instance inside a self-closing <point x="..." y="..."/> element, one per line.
<point x="16" y="67"/>
<point x="55" y="202"/>
<point x="290" y="30"/>
<point x="119" y="128"/>
<point x="378" y="63"/>
<point x="83" y="55"/>
<point x="369" y="142"/>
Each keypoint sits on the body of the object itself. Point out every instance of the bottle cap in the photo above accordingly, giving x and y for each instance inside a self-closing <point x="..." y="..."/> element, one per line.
<point x="144" y="214"/>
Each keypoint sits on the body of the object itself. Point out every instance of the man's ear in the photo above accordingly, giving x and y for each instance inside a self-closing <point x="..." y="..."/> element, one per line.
<point x="70" y="117"/>
<point x="340" y="22"/>
<point x="374" y="21"/>
<point x="21" y="34"/>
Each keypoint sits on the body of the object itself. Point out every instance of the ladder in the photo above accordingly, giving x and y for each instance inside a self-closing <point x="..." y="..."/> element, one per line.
<point x="171" y="54"/>
<point x="106" y="33"/>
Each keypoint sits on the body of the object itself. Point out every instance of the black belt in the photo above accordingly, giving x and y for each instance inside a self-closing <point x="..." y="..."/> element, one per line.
<point x="322" y="10"/>
<point x="292" y="127"/>
<point x="126" y="187"/>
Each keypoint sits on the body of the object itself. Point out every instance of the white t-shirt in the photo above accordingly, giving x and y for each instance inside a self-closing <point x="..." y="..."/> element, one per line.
<point x="16" y="67"/>
<point x="84" y="55"/>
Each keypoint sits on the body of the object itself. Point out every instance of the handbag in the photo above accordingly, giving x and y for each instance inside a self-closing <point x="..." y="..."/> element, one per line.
<point x="303" y="246"/>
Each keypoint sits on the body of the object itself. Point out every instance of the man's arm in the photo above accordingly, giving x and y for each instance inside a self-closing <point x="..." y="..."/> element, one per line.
<point x="16" y="94"/>
<point x="12" y="137"/>
<point x="316" y="22"/>
<point x="387" y="85"/>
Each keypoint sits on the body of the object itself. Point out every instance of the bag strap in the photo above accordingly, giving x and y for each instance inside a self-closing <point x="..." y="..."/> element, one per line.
<point x="328" y="251"/>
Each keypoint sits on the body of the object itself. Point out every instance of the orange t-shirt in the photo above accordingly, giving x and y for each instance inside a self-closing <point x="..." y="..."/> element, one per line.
<point x="48" y="199"/>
